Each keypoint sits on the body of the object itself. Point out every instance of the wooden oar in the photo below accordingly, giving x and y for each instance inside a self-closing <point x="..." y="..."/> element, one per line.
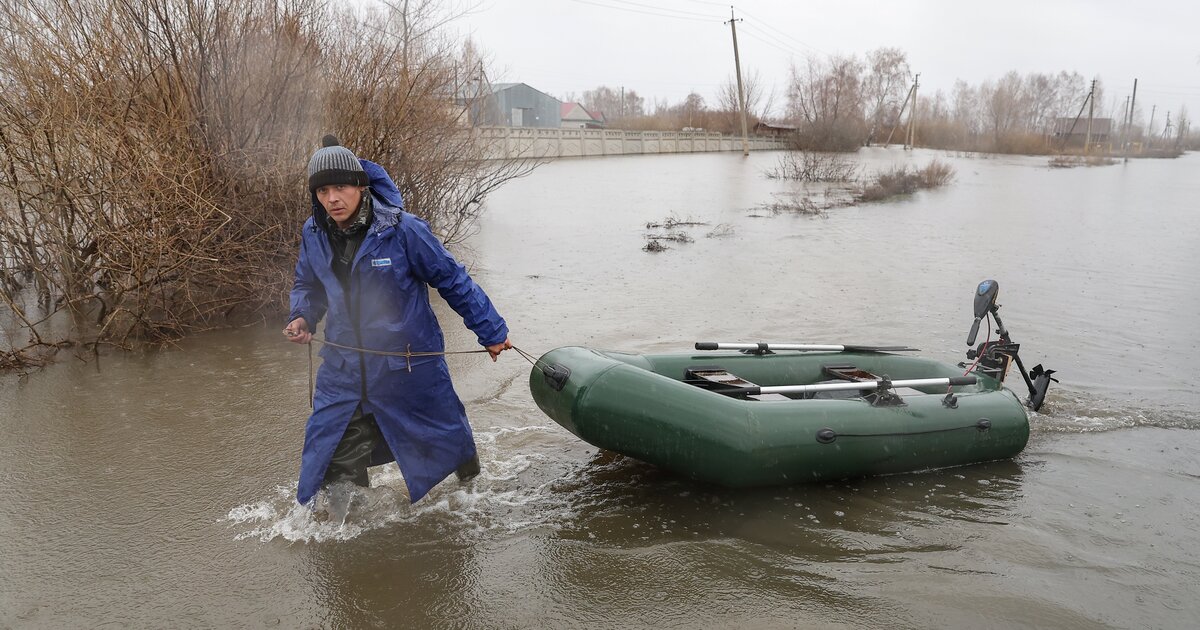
<point x="951" y="381"/>
<point x="810" y="347"/>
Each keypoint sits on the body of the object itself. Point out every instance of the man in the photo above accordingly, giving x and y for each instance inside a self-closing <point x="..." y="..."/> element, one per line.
<point x="367" y="264"/>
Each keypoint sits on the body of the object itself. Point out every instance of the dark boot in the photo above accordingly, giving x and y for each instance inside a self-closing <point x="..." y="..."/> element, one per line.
<point x="468" y="469"/>
<point x="353" y="453"/>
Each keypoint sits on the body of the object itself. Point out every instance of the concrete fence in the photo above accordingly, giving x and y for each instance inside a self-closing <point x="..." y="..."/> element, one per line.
<point x="532" y="142"/>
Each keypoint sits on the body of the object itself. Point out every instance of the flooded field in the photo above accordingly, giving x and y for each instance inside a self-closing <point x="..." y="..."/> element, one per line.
<point x="155" y="490"/>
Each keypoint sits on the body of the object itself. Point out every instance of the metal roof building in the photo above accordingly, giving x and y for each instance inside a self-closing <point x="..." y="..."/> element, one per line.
<point x="516" y="105"/>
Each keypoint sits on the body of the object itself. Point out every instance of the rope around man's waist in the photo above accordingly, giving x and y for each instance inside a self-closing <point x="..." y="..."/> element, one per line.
<point x="408" y="354"/>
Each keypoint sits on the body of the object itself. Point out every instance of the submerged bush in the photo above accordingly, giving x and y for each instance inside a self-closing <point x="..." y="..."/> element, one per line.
<point x="903" y="180"/>
<point x="1071" y="161"/>
<point x="808" y="166"/>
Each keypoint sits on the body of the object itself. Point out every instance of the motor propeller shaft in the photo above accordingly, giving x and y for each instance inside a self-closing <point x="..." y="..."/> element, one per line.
<point x="994" y="358"/>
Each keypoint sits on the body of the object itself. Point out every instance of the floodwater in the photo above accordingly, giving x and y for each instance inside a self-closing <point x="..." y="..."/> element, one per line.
<point x="154" y="490"/>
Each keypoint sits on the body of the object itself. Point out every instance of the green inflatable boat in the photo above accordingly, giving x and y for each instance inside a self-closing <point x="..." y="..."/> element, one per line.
<point x="759" y="414"/>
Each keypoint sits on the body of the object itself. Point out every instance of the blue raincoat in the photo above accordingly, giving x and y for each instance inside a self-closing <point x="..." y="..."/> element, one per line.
<point x="423" y="422"/>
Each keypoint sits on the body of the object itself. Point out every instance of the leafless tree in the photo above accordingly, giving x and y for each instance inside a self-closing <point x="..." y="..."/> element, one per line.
<point x="884" y="89"/>
<point x="614" y="103"/>
<point x="827" y="90"/>
<point x="825" y="102"/>
<point x="759" y="101"/>
<point x="1005" y="104"/>
<point x="965" y="109"/>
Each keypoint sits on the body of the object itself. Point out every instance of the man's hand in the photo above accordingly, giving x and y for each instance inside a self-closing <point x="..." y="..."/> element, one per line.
<point x="297" y="332"/>
<point x="498" y="348"/>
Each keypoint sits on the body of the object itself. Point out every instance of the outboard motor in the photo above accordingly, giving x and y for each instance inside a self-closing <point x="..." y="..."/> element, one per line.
<point x="994" y="358"/>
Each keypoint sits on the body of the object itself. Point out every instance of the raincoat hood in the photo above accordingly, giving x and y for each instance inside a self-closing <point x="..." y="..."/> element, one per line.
<point x="380" y="186"/>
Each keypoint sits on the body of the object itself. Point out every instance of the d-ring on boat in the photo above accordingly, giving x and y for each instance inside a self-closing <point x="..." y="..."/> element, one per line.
<point x="760" y="414"/>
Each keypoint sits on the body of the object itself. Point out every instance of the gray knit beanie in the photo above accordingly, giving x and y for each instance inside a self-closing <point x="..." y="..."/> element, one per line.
<point x="334" y="164"/>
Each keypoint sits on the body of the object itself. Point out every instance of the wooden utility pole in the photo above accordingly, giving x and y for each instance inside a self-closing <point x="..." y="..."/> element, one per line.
<point x="737" y="66"/>
<point x="1132" y="104"/>
<point x="1087" y="142"/>
<point x="912" y="114"/>
<point x="1124" y="125"/>
<point x="1074" y="121"/>
<point x="1150" y="127"/>
<point x="900" y="115"/>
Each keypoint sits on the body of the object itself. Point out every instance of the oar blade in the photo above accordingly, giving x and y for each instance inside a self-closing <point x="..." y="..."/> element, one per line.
<point x="764" y="348"/>
<point x="880" y="349"/>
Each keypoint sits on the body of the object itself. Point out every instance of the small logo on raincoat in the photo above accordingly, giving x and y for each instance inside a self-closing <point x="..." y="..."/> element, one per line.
<point x="381" y="262"/>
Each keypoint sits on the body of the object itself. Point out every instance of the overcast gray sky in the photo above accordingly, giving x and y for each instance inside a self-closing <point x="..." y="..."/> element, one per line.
<point x="668" y="48"/>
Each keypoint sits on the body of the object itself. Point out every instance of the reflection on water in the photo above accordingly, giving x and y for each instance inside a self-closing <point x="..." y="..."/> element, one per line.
<point x="156" y="489"/>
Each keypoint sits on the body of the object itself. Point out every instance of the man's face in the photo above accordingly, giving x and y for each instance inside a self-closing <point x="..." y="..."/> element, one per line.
<point x="340" y="201"/>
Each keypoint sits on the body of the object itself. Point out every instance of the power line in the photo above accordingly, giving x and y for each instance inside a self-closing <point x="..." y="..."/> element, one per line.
<point x="789" y="52"/>
<point x="658" y="8"/>
<point x="774" y="42"/>
<point x="1197" y="93"/>
<point x="1181" y="87"/>
<point x="785" y="35"/>
<point x="666" y="15"/>
<point x="636" y="82"/>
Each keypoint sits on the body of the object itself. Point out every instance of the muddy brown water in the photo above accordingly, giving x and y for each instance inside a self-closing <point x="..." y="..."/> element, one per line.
<point x="154" y="490"/>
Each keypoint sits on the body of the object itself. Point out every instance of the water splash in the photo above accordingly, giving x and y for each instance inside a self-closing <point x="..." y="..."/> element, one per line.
<point x="514" y="491"/>
<point x="1077" y="412"/>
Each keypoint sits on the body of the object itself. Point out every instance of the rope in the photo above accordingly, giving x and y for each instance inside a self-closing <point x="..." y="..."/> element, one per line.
<point x="534" y="361"/>
<point x="408" y="354"/>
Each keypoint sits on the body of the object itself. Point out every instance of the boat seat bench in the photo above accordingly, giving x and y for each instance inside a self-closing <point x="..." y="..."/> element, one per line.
<point x="716" y="377"/>
<point x="705" y="376"/>
<point x="847" y="372"/>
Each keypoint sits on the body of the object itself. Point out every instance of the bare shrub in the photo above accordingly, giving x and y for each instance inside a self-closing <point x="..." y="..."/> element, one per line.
<point x="1071" y="161"/>
<point x="799" y="205"/>
<point x="676" y="237"/>
<point x="808" y="166"/>
<point x="902" y="180"/>
<point x="1063" y="161"/>
<point x="673" y="222"/>
<point x="152" y="181"/>
<point x="935" y="174"/>
<point x="838" y="136"/>
<point x="655" y="242"/>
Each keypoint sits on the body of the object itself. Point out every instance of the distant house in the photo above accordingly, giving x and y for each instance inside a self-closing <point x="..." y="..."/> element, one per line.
<point x="773" y="129"/>
<point x="515" y="105"/>
<point x="576" y="116"/>
<point x="1101" y="130"/>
